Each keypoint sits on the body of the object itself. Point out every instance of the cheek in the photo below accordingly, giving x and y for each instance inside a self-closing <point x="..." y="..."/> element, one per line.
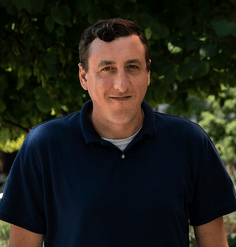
<point x="99" y="86"/>
<point x="104" y="83"/>
<point x="140" y="82"/>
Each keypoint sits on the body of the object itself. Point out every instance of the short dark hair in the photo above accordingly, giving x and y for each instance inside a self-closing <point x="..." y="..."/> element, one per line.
<point x="108" y="30"/>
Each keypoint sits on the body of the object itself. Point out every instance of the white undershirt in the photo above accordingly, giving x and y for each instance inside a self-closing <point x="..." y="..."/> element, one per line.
<point x="123" y="143"/>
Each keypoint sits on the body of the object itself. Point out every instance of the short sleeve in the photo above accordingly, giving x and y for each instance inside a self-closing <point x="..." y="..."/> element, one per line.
<point x="22" y="203"/>
<point x="214" y="193"/>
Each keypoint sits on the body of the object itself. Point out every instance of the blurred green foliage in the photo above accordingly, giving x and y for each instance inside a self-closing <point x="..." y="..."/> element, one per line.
<point x="4" y="234"/>
<point x="11" y="139"/>
<point x="231" y="241"/>
<point x="219" y="120"/>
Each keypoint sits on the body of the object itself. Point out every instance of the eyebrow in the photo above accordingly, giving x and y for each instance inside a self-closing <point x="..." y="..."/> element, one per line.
<point x="136" y="60"/>
<point x="105" y="62"/>
<point x="108" y="62"/>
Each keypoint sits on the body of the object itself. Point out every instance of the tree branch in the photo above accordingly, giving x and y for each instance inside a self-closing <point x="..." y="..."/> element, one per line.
<point x="14" y="126"/>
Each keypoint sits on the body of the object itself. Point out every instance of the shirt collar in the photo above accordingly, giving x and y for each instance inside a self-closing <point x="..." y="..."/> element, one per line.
<point x="149" y="120"/>
<point x="91" y="135"/>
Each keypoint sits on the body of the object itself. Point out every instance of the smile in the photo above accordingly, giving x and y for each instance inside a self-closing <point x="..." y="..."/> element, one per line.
<point x="121" y="98"/>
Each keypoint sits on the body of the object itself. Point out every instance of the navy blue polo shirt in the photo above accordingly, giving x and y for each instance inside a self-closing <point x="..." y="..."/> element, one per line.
<point x="80" y="190"/>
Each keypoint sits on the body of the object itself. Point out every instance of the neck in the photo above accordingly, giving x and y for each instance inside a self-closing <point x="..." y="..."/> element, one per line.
<point x="111" y="130"/>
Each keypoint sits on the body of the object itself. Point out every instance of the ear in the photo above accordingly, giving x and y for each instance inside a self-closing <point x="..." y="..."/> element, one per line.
<point x="149" y="72"/>
<point x="83" y="77"/>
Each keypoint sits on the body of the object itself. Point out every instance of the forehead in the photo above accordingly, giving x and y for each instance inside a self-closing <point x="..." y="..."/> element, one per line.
<point x="120" y="49"/>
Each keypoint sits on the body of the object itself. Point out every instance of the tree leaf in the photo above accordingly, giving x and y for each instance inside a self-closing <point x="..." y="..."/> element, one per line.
<point x="44" y="104"/>
<point x="2" y="106"/>
<point x="83" y="6"/>
<point x="11" y="10"/>
<point x="160" y="30"/>
<point x="60" y="14"/>
<point x="27" y="5"/>
<point x="232" y="82"/>
<point x="3" y="84"/>
<point x="170" y="75"/>
<point x="37" y="6"/>
<point x="2" y="90"/>
<point x="23" y="4"/>
<point x="208" y="51"/>
<point x="28" y="73"/>
<point x="187" y="70"/>
<point x="9" y="6"/>
<point x="233" y="32"/>
<point x="175" y="48"/>
<point x="96" y="13"/>
<point x="20" y="83"/>
<point x="108" y="1"/>
<point x="144" y="20"/>
<point x="223" y="27"/>
<point x="38" y="44"/>
<point x="218" y="62"/>
<point x="192" y="59"/>
<point x="119" y="3"/>
<point x="18" y="4"/>
<point x="49" y="24"/>
<point x="202" y="70"/>
<point x="50" y="59"/>
<point x="148" y="33"/>
<point x="192" y="46"/>
<point x="4" y="3"/>
<point x="39" y="93"/>
<point x="60" y="31"/>
<point x="127" y="10"/>
<point x="184" y="17"/>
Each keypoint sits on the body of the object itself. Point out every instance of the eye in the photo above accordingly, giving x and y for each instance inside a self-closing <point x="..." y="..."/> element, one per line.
<point x="131" y="66"/>
<point x="107" y="69"/>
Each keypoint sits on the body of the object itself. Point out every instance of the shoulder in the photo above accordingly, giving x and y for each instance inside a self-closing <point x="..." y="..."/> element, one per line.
<point x="55" y="127"/>
<point x="179" y="126"/>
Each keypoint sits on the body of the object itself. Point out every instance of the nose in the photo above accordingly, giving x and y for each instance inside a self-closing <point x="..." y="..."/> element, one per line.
<point x="121" y="81"/>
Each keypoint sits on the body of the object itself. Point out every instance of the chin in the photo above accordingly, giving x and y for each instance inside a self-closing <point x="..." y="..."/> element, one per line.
<point x="121" y="118"/>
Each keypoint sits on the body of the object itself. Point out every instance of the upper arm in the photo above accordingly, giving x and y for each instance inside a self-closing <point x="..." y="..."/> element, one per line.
<point x="20" y="237"/>
<point x="211" y="234"/>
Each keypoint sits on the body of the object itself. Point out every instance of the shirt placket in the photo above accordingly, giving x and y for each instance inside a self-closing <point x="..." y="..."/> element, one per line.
<point x="123" y="164"/>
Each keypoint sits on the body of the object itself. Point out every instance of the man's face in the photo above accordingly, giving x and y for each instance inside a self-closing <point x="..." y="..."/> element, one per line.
<point x="116" y="79"/>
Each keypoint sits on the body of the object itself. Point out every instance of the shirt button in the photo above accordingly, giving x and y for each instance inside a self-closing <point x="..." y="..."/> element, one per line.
<point x="122" y="156"/>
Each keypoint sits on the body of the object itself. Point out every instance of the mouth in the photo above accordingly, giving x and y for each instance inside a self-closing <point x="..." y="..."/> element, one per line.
<point x="121" y="98"/>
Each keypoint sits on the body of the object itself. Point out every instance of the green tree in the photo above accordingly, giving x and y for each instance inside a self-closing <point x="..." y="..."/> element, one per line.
<point x="219" y="120"/>
<point x="192" y="45"/>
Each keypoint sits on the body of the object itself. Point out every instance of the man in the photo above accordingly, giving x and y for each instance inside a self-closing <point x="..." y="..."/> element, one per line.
<point x="116" y="173"/>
